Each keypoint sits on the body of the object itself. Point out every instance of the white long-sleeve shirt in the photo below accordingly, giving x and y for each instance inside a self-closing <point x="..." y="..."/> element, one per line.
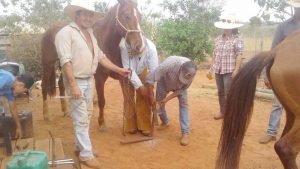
<point x="137" y="64"/>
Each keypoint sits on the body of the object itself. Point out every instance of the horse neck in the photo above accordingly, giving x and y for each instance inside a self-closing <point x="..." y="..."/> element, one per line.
<point x="107" y="34"/>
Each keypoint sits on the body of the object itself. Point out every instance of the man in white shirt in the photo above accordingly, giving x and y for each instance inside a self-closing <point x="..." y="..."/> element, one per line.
<point x="79" y="55"/>
<point x="137" y="113"/>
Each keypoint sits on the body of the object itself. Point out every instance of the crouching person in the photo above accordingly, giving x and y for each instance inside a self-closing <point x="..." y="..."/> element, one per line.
<point x="174" y="74"/>
<point x="10" y="87"/>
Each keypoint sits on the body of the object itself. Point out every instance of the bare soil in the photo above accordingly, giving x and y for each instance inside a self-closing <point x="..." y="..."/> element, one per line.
<point x="164" y="152"/>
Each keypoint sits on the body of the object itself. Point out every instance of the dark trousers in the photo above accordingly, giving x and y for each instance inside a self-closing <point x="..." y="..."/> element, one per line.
<point x="223" y="84"/>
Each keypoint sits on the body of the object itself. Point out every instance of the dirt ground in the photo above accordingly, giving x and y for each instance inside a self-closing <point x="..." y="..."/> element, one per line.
<point x="164" y="152"/>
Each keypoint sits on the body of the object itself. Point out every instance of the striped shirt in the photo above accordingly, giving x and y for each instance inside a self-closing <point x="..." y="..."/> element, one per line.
<point x="167" y="73"/>
<point x="225" y="53"/>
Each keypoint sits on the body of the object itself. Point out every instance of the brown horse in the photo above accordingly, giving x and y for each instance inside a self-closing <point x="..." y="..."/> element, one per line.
<point x="283" y="71"/>
<point x="120" y="21"/>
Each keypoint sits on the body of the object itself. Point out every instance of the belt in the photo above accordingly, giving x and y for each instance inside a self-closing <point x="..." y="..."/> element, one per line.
<point x="82" y="78"/>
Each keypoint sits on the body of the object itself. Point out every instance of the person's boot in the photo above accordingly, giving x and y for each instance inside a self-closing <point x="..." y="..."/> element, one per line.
<point x="184" y="141"/>
<point x="266" y="139"/>
<point x="163" y="126"/>
<point x="76" y="153"/>
<point x="92" y="163"/>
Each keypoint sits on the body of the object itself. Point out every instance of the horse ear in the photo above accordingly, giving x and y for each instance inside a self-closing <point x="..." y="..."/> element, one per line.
<point x="121" y="2"/>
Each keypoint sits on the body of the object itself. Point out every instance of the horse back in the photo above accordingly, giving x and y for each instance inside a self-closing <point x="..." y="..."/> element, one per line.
<point x="49" y="53"/>
<point x="285" y="72"/>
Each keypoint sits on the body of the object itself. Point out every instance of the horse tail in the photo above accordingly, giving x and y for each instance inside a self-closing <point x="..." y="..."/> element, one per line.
<point x="49" y="57"/>
<point x="239" y="105"/>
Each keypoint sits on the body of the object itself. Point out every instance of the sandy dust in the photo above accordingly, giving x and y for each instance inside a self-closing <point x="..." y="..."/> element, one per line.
<point x="164" y="152"/>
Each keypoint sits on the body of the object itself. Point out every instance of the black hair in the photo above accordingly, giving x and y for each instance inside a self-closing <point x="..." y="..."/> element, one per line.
<point x="235" y="31"/>
<point x="26" y="79"/>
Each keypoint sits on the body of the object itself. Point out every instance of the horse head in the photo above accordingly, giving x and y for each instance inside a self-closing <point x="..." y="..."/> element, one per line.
<point x="127" y="23"/>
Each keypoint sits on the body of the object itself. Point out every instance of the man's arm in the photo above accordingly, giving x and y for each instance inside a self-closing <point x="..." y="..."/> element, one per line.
<point x="109" y="65"/>
<point x="63" y="43"/>
<point x="68" y="72"/>
<point x="238" y="63"/>
<point x="13" y="109"/>
<point x="152" y="60"/>
<point x="168" y="98"/>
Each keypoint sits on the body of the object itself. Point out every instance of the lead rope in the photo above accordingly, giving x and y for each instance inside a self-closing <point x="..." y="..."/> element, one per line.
<point x="127" y="84"/>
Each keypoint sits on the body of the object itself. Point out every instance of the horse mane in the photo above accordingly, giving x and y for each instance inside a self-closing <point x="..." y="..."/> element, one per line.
<point x="108" y="37"/>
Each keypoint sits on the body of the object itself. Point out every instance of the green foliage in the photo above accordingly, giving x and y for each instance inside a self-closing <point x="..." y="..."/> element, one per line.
<point x="255" y="21"/>
<point x="185" y="39"/>
<point x="25" y="22"/>
<point x="29" y="54"/>
<point x="31" y="15"/>
<point x="277" y="8"/>
<point x="149" y="20"/>
<point x="101" y="6"/>
<point x="187" y="31"/>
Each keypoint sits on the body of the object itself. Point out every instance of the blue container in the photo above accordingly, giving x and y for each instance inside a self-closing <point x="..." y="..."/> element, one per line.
<point x="29" y="160"/>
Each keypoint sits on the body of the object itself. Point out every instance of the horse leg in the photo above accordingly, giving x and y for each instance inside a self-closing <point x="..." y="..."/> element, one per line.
<point x="288" y="146"/>
<point x="45" y="103"/>
<point x="100" y="79"/>
<point x="63" y="101"/>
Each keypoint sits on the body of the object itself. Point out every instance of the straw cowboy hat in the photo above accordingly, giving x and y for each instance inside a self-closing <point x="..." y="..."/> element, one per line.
<point x="71" y="10"/>
<point x="294" y="3"/>
<point x="227" y="22"/>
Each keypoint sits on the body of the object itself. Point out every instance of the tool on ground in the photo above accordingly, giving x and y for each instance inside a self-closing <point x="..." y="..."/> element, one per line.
<point x="53" y="149"/>
<point x="155" y="112"/>
<point x="60" y="162"/>
<point x="136" y="140"/>
<point x="66" y="97"/>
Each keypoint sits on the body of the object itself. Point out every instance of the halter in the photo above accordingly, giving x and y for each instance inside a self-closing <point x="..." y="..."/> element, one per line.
<point x="120" y="23"/>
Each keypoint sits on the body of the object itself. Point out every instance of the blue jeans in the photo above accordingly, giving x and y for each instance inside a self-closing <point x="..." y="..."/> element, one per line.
<point x="184" y="115"/>
<point x="81" y="111"/>
<point x="223" y="82"/>
<point x="275" y="116"/>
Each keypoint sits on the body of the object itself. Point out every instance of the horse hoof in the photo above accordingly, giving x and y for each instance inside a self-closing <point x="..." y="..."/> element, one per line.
<point x="104" y="128"/>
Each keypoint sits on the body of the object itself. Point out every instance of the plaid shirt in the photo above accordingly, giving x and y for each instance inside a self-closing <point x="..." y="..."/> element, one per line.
<point x="225" y="53"/>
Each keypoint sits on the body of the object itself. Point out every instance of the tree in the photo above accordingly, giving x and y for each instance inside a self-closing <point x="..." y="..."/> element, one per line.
<point x="31" y="15"/>
<point x="27" y="53"/>
<point x="25" y="21"/>
<point x="101" y="6"/>
<point x="150" y="18"/>
<point x="255" y="21"/>
<point x="277" y="8"/>
<point x="187" y="29"/>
